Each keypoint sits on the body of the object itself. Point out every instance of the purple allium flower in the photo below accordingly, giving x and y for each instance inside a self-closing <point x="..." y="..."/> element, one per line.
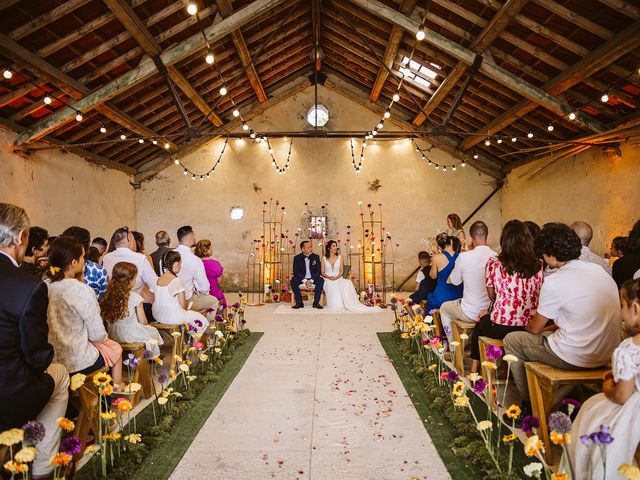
<point x="394" y="300"/>
<point x="493" y="352"/>
<point x="452" y="376"/>
<point x="480" y="386"/>
<point x="529" y="423"/>
<point x="147" y="355"/>
<point x="162" y="378"/>
<point x="560" y="422"/>
<point x="394" y="307"/>
<point x="71" y="445"/>
<point x="33" y="432"/>
<point x="447" y="330"/>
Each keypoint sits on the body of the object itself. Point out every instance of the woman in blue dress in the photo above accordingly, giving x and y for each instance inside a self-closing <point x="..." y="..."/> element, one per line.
<point x="441" y="266"/>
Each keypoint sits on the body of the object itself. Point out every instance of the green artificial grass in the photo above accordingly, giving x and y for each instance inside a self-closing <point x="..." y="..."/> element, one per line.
<point x="160" y="460"/>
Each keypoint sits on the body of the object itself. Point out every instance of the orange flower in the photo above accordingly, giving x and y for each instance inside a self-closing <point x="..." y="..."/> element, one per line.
<point x="111" y="436"/>
<point x="533" y="446"/>
<point x="62" y="459"/>
<point x="16" y="467"/>
<point x="559" y="476"/>
<point x="509" y="438"/>
<point x="124" y="406"/>
<point x="105" y="390"/>
<point x="560" y="438"/>
<point x="66" y="424"/>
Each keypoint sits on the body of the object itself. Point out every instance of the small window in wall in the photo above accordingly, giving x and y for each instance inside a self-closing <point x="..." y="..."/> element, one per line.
<point x="417" y="73"/>
<point x="237" y="213"/>
<point x="318" y="227"/>
<point x="319" y="113"/>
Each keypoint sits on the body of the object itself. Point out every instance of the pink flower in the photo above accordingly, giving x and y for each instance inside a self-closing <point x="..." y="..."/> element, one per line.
<point x="198" y="346"/>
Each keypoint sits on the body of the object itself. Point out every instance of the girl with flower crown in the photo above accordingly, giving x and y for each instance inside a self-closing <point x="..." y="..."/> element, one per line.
<point x="613" y="416"/>
<point x="76" y="330"/>
<point x="123" y="310"/>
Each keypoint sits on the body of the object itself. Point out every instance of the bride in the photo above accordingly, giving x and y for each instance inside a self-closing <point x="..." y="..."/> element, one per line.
<point x="340" y="292"/>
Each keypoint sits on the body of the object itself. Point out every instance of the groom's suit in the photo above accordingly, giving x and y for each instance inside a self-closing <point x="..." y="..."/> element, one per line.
<point x="300" y="275"/>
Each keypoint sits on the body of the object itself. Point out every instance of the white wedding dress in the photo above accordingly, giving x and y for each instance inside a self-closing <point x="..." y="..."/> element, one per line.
<point x="341" y="293"/>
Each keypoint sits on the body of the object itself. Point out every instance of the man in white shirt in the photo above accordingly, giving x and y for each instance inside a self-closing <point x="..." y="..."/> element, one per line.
<point x="192" y="273"/>
<point x="583" y="302"/>
<point x="125" y="252"/>
<point x="469" y="271"/>
<point x="585" y="234"/>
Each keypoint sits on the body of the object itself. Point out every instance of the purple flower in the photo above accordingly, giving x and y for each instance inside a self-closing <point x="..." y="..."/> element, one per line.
<point x="452" y="376"/>
<point x="71" y="445"/>
<point x="447" y="330"/>
<point x="147" y="355"/>
<point x="219" y="318"/>
<point x="560" y="422"/>
<point x="235" y="305"/>
<point x="585" y="439"/>
<point x="480" y="386"/>
<point x="493" y="352"/>
<point x="602" y="437"/>
<point x="131" y="361"/>
<point x="529" y="423"/>
<point x="198" y="323"/>
<point x="571" y="401"/>
<point x="33" y="432"/>
<point x="394" y="300"/>
<point x="162" y="378"/>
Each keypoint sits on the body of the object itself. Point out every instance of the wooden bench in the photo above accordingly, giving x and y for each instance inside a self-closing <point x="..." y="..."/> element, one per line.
<point x="543" y="381"/>
<point x="490" y="378"/>
<point x="88" y="415"/>
<point x="437" y="322"/>
<point x="458" y="327"/>
<point x="142" y="374"/>
<point x="177" y="341"/>
<point x="308" y="294"/>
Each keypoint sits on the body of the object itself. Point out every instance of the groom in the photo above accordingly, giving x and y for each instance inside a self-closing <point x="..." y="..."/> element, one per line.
<point x="306" y="272"/>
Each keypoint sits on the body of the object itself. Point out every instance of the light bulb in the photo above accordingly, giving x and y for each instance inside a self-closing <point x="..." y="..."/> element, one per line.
<point x="454" y="168"/>
<point x="530" y="134"/>
<point x="387" y="113"/>
<point x="201" y="178"/>
<point x="437" y="166"/>
<point x="192" y="8"/>
<point x="236" y="112"/>
<point x="396" y="97"/>
<point x="166" y="146"/>
<point x="245" y="127"/>
<point x="141" y="140"/>
<point x="253" y="134"/>
<point x="380" y="125"/>
<point x="420" y="35"/>
<point x="487" y="142"/>
<point x="514" y="139"/>
<point x="79" y="117"/>
<point x="572" y="116"/>
<point x="47" y="100"/>
<point x="475" y="156"/>
<point x="154" y="141"/>
<point x="209" y="58"/>
<point x="103" y="129"/>
<point x="444" y="169"/>
<point x="185" y="172"/>
<point x="176" y="161"/>
<point x="463" y="164"/>
<point x="123" y="136"/>
<point x="375" y="132"/>
<point x="223" y="91"/>
<point x="604" y="98"/>
<point x="193" y="177"/>
<point x="7" y="74"/>
<point x="499" y="140"/>
<point x="550" y="127"/>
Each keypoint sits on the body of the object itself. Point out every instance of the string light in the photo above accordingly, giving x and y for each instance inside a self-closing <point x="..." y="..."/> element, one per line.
<point x="209" y="58"/>
<point x="572" y="116"/>
<point x="141" y="140"/>
<point x="530" y="134"/>
<point x="79" y="117"/>
<point x="176" y="161"/>
<point x="223" y="90"/>
<point x="47" y="100"/>
<point x="475" y="156"/>
<point x="280" y="170"/>
<point x="387" y="113"/>
<point x="236" y="112"/>
<point x="514" y="139"/>
<point x="499" y="141"/>
<point x="7" y="74"/>
<point x="487" y="142"/>
<point x="380" y="124"/>
<point x="186" y="171"/>
<point x="550" y="127"/>
<point x="396" y="97"/>
<point x="154" y="141"/>
<point x="103" y="129"/>
<point x="192" y="8"/>
<point x="123" y="136"/>
<point x="245" y="127"/>
<point x="605" y="97"/>
<point x="167" y="146"/>
<point x="420" y="34"/>
<point x="432" y="163"/>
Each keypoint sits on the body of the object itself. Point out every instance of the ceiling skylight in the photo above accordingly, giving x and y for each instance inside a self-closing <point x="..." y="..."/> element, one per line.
<point x="419" y="74"/>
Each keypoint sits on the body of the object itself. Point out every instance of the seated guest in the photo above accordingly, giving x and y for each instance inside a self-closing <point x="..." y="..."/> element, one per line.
<point x="35" y="258"/>
<point x="424" y="283"/>
<point x="616" y="250"/>
<point x="582" y="300"/>
<point x="534" y="230"/>
<point x="123" y="311"/>
<point x="585" y="234"/>
<point x="455" y="228"/>
<point x="192" y="273"/>
<point x="170" y="304"/>
<point x="94" y="274"/>
<point x="163" y="242"/>
<point x="101" y="244"/>
<point x="123" y="251"/>
<point x="625" y="268"/>
<point x="139" y="239"/>
<point x="469" y="271"/>
<point x="441" y="267"/>
<point x="31" y="387"/>
<point x="76" y="330"/>
<point x="213" y="269"/>
<point x="513" y="281"/>
<point x="307" y="272"/>
<point x="618" y="405"/>
<point x="94" y="255"/>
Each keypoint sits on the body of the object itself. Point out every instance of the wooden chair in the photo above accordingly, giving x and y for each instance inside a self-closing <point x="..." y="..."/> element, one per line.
<point x="490" y="378"/>
<point x="437" y="322"/>
<point x="543" y="381"/>
<point x="142" y="374"/>
<point x="177" y="341"/>
<point x="458" y="327"/>
<point x="88" y="416"/>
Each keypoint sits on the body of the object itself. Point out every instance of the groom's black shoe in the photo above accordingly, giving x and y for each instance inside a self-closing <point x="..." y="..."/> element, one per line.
<point x="318" y="306"/>
<point x="298" y="305"/>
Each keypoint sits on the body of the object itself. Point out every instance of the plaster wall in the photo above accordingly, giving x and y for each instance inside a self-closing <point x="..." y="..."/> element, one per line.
<point x="415" y="197"/>
<point x="598" y="188"/>
<point x="61" y="189"/>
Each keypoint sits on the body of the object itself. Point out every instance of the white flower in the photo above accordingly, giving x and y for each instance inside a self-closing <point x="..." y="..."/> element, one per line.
<point x="134" y="387"/>
<point x="184" y="367"/>
<point x="162" y="400"/>
<point x="533" y="469"/>
<point x="464" y="336"/>
<point x="455" y="344"/>
<point x="474" y="377"/>
<point x="176" y="334"/>
<point x="428" y="319"/>
<point x="510" y="358"/>
<point x="219" y="334"/>
<point x="484" y="425"/>
<point x="77" y="381"/>
<point x="441" y="350"/>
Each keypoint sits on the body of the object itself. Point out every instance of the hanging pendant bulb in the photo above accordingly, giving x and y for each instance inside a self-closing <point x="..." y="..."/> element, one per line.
<point x="396" y="97"/>
<point x="487" y="142"/>
<point x="236" y="112"/>
<point x="499" y="141"/>
<point x="245" y="127"/>
<point x="47" y="100"/>
<point x="223" y="91"/>
<point x="79" y="117"/>
<point x="475" y="156"/>
<point x="166" y="146"/>
<point x="530" y="134"/>
<point x="572" y="116"/>
<point x="387" y="113"/>
<point x="420" y="34"/>
<point x="514" y="139"/>
<point x="103" y="129"/>
<point x="550" y="127"/>
<point x="192" y="8"/>
<point x="209" y="58"/>
<point x="123" y="136"/>
<point x="604" y="98"/>
<point x="7" y="74"/>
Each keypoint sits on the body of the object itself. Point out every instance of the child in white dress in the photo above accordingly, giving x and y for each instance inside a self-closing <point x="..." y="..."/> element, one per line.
<point x="618" y="407"/>
<point x="123" y="311"/>
<point x="170" y="304"/>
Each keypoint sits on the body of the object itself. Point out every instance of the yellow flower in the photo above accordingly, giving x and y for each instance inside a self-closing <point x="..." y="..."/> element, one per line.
<point x="413" y="334"/>
<point x="484" y="425"/>
<point x="204" y="357"/>
<point x="559" y="476"/>
<point x="102" y="378"/>
<point x="62" y="459"/>
<point x="177" y="358"/>
<point x="188" y="362"/>
<point x="509" y="438"/>
<point x="560" y="439"/>
<point x="77" y="381"/>
<point x="513" y="411"/>
<point x="11" y="437"/>
<point x="111" y="436"/>
<point x="134" y="387"/>
<point x="230" y="328"/>
<point x="629" y="471"/>
<point x="419" y="318"/>
<point x="172" y="374"/>
<point x="93" y="448"/>
<point x="176" y="394"/>
<point x="26" y="455"/>
<point x="54" y="270"/>
<point x="191" y="349"/>
<point x="124" y="406"/>
<point x="462" y="401"/>
<point x="217" y="350"/>
<point x="162" y="400"/>
<point x="184" y="367"/>
<point x="533" y="446"/>
<point x="489" y="365"/>
<point x="105" y="390"/>
<point x="158" y="360"/>
<point x="191" y="378"/>
<point x="133" y="438"/>
<point x="433" y="367"/>
<point x="404" y="335"/>
<point x="66" y="424"/>
<point x="108" y="415"/>
<point x="458" y="388"/>
<point x="16" y="467"/>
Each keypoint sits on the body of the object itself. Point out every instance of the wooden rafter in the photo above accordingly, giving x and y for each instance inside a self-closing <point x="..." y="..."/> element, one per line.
<point x="44" y="20"/>
<point x="317" y="31"/>
<point x="138" y="30"/>
<point x="598" y="59"/>
<point x="406" y="7"/>
<point x="490" y="32"/>
<point x="69" y="86"/>
<point x="147" y="68"/>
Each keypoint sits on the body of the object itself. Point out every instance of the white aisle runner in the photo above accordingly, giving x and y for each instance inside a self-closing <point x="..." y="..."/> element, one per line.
<point x="317" y="399"/>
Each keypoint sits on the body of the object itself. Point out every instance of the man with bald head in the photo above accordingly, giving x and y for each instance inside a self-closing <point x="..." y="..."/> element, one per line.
<point x="585" y="233"/>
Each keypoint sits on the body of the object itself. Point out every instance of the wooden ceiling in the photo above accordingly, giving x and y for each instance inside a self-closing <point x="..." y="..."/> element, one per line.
<point x="536" y="61"/>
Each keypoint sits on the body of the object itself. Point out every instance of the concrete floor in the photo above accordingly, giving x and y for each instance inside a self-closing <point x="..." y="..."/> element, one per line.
<point x="317" y="399"/>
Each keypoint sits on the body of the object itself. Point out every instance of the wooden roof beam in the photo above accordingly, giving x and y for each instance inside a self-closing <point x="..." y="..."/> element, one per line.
<point x="139" y="31"/>
<point x="406" y="7"/>
<point x="598" y="59"/>
<point x="316" y="23"/>
<point x="490" y="32"/>
<point x="147" y="68"/>
<point x="45" y="19"/>
<point x="488" y="67"/>
<point x="71" y="87"/>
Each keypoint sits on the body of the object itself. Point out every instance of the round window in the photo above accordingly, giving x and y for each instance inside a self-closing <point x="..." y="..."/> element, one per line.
<point x="318" y="113"/>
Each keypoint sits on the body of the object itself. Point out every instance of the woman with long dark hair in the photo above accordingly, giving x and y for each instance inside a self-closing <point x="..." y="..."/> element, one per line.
<point x="513" y="281"/>
<point x="442" y="264"/>
<point x="625" y="267"/>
